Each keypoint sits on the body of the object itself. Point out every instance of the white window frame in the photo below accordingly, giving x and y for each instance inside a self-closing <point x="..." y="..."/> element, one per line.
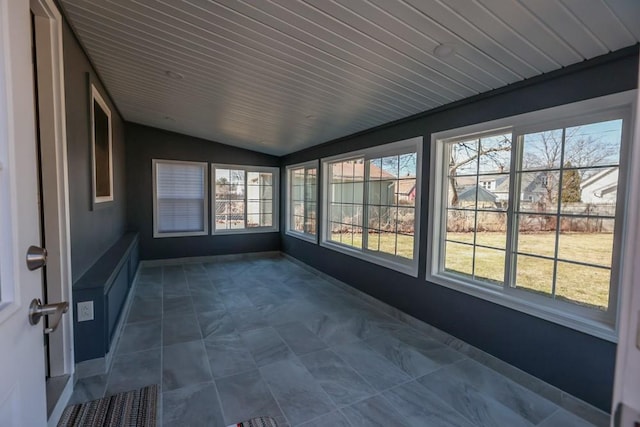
<point x="275" y="199"/>
<point x="97" y="98"/>
<point x="393" y="262"/>
<point x="205" y="231"/>
<point x="313" y="164"/>
<point x="590" y="321"/>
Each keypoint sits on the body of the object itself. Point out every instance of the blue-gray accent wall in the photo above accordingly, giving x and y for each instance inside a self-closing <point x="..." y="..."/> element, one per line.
<point x="578" y="363"/>
<point x="146" y="143"/>
<point x="92" y="231"/>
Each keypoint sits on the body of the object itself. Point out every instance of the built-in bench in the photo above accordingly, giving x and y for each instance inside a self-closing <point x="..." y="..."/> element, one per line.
<point x="105" y="285"/>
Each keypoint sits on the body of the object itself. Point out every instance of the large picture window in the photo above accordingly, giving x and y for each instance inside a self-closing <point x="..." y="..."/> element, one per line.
<point x="370" y="205"/>
<point x="179" y="198"/>
<point x="531" y="214"/>
<point x="302" y="198"/>
<point x="245" y="199"/>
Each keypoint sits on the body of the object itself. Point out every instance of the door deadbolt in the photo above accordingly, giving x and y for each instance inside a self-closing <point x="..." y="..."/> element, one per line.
<point x="36" y="257"/>
<point x="37" y="310"/>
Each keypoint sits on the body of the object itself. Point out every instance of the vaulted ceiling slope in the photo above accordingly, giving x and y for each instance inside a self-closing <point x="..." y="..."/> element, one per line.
<point x="281" y="75"/>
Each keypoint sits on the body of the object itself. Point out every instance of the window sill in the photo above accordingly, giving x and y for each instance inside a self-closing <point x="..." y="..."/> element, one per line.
<point x="302" y="236"/>
<point x="255" y="230"/>
<point x="410" y="268"/>
<point x="157" y="235"/>
<point x="594" y="327"/>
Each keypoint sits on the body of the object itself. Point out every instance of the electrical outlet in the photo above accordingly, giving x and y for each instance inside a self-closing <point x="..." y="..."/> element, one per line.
<point x="85" y="311"/>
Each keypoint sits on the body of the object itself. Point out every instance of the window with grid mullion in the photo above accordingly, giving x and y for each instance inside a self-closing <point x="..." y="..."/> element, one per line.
<point x="375" y="191"/>
<point x="244" y="198"/>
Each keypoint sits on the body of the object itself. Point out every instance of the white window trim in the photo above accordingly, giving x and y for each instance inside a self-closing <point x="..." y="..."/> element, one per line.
<point x="205" y="231"/>
<point x="313" y="238"/>
<point x="564" y="314"/>
<point x="410" y="267"/>
<point x="275" y="199"/>
<point x="96" y="97"/>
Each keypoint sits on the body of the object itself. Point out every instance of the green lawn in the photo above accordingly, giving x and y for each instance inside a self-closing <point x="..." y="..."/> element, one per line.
<point x="575" y="283"/>
<point x="579" y="284"/>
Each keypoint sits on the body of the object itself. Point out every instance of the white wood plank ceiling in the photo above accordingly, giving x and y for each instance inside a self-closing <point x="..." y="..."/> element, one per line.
<point x="278" y="76"/>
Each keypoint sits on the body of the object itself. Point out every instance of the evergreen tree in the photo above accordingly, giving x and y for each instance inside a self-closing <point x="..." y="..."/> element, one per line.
<point x="571" y="181"/>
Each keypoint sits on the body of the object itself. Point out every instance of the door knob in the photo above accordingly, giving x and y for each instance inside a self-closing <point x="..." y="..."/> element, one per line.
<point x="37" y="310"/>
<point x="36" y="257"/>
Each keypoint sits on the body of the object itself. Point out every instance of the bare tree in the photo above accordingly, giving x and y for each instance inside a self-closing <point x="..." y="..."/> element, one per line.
<point x="544" y="150"/>
<point x="489" y="153"/>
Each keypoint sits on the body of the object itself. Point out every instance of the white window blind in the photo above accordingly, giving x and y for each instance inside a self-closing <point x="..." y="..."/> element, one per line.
<point x="180" y="198"/>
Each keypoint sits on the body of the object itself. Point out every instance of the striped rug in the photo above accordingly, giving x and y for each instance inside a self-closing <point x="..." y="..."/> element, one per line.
<point x="257" y="422"/>
<point x="136" y="408"/>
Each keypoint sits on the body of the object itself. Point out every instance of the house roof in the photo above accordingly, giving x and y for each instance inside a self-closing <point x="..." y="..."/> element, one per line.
<point x="598" y="176"/>
<point x="355" y="170"/>
<point x="469" y="194"/>
<point x="406" y="185"/>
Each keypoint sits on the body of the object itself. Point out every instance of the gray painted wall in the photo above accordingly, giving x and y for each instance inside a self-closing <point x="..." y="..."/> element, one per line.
<point x="578" y="363"/>
<point x="92" y="231"/>
<point x="143" y="145"/>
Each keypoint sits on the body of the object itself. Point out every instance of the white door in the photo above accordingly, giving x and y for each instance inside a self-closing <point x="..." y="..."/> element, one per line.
<point x="22" y="376"/>
<point x="626" y="395"/>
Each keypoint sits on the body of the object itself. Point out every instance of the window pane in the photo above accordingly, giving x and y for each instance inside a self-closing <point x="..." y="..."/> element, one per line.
<point x="493" y="191"/>
<point x="587" y="247"/>
<point x="461" y="225"/>
<point x="459" y="258"/>
<point x="390" y="167"/>
<point x="259" y="220"/>
<point x="583" y="285"/>
<point x="534" y="275"/>
<point x="373" y="240"/>
<point x="492" y="229"/>
<point x="593" y="144"/>
<point x="405" y="245"/>
<point x="536" y="235"/>
<point x="406" y="192"/>
<point x="237" y="177"/>
<point x="489" y="265"/>
<point x="590" y="191"/>
<point x="463" y="158"/>
<point x="542" y="150"/>
<point x="462" y="192"/>
<point x="377" y="193"/>
<point x="539" y="191"/>
<point x="408" y="165"/>
<point x="373" y="220"/>
<point x="495" y="153"/>
<point x="406" y="220"/>
<point x="388" y="242"/>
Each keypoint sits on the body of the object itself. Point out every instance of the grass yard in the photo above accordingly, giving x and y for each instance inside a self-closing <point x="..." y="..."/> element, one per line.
<point x="385" y="243"/>
<point x="575" y="283"/>
<point x="579" y="284"/>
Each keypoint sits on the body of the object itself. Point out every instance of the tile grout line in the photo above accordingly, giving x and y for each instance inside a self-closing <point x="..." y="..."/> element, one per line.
<point x="335" y="406"/>
<point x="213" y="381"/>
<point x="448" y="340"/>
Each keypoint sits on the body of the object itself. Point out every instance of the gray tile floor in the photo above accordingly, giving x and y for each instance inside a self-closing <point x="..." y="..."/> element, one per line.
<point x="231" y="340"/>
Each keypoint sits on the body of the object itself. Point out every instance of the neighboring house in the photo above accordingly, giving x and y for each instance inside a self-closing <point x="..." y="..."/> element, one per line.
<point x="348" y="186"/>
<point x="468" y="197"/>
<point x="495" y="188"/>
<point x="406" y="190"/>
<point x="600" y="188"/>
